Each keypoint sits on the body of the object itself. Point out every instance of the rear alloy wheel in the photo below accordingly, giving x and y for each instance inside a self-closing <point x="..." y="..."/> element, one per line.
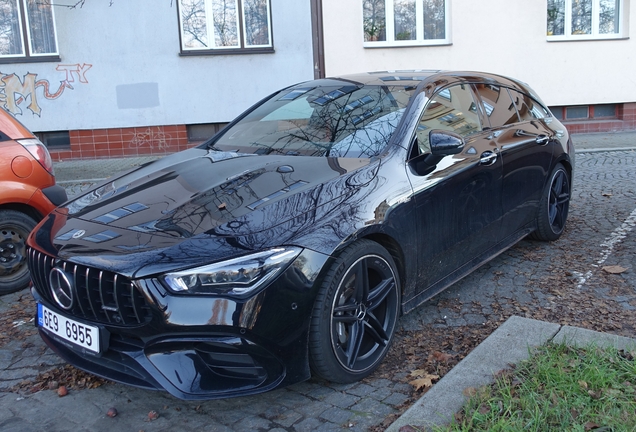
<point x="14" y="230"/>
<point x="554" y="206"/>
<point x="355" y="314"/>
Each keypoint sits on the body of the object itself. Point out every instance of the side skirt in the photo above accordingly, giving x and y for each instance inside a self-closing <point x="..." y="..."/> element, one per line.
<point x="464" y="270"/>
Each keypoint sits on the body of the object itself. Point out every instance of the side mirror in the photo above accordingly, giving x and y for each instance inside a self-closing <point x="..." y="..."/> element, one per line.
<point x="444" y="143"/>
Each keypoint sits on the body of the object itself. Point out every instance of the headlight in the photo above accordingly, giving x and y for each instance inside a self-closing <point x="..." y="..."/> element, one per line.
<point x="238" y="277"/>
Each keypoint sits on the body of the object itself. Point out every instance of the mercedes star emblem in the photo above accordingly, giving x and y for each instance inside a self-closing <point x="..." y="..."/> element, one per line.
<point x="61" y="288"/>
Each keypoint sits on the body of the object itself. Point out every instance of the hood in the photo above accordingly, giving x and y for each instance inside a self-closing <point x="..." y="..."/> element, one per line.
<point x="202" y="206"/>
<point x="203" y="191"/>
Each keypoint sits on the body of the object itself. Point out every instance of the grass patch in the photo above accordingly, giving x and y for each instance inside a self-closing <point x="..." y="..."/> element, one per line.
<point x="559" y="388"/>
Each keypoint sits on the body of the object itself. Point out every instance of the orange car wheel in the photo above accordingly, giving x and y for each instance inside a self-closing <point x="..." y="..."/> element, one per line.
<point x="14" y="230"/>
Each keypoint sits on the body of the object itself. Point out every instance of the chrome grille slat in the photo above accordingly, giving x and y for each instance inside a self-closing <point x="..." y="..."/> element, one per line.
<point x="124" y="304"/>
<point x="132" y="296"/>
<point x="79" y="302"/>
<point x="88" y="293"/>
<point x="100" y="279"/>
<point x="115" y="294"/>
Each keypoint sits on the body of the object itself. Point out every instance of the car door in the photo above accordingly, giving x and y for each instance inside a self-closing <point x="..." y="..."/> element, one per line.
<point x="457" y="197"/>
<point x="526" y="152"/>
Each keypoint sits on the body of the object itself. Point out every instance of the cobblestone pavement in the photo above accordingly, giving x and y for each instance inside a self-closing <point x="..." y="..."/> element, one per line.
<point x="560" y="282"/>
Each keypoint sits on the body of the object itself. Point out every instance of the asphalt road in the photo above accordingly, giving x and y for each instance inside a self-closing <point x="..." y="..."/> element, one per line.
<point x="565" y="282"/>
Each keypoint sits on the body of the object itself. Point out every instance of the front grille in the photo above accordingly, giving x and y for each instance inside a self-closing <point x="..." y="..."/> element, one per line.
<point x="100" y="296"/>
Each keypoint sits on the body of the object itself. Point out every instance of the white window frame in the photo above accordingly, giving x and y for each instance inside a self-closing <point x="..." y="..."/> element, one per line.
<point x="26" y="39"/>
<point x="419" y="22"/>
<point x="241" y="30"/>
<point x="595" y="35"/>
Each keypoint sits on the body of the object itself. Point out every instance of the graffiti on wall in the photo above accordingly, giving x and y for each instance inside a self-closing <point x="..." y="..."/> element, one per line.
<point x="150" y="138"/>
<point x="16" y="93"/>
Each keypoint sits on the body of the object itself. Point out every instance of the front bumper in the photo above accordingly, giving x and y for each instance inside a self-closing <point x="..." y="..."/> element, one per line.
<point x="200" y="347"/>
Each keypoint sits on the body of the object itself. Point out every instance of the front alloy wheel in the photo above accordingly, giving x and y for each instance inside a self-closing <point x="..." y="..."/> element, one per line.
<point x="355" y="314"/>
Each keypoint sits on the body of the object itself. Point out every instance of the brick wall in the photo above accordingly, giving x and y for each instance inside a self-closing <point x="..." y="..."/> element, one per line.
<point x="625" y="121"/>
<point x="106" y="143"/>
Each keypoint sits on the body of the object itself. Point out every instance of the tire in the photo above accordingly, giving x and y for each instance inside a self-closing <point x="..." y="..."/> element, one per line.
<point x="14" y="230"/>
<point x="554" y="206"/>
<point x="355" y="314"/>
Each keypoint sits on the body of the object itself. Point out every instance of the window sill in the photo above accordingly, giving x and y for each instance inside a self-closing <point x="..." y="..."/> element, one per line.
<point x="407" y="44"/>
<point x="237" y="51"/>
<point x="41" y="59"/>
<point x="584" y="38"/>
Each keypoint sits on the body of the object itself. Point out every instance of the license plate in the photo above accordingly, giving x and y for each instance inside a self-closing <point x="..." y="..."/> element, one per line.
<point x="80" y="334"/>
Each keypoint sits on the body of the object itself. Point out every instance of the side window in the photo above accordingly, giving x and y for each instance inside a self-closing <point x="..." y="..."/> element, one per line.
<point x="227" y="26"/>
<point x="497" y="103"/>
<point x="27" y="31"/>
<point x="452" y="109"/>
<point x="527" y="108"/>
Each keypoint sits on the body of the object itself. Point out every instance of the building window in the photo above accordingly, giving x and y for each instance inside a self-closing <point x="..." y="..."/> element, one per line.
<point x="604" y="111"/>
<point x="585" y="112"/>
<point x="212" y="26"/>
<point x="584" y="19"/>
<point x="27" y="31"/>
<point x="405" y="22"/>
<point x="55" y="140"/>
<point x="577" y="112"/>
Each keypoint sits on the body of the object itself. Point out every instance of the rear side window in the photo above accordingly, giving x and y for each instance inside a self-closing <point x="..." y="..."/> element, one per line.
<point x="498" y="105"/>
<point x="527" y="107"/>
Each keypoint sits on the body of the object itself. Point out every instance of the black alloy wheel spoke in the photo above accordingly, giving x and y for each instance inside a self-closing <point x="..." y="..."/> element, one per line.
<point x="356" y="336"/>
<point x="557" y="185"/>
<point x="376" y="330"/>
<point x="379" y="293"/>
<point x="563" y="197"/>
<point x="361" y="282"/>
<point x="345" y="319"/>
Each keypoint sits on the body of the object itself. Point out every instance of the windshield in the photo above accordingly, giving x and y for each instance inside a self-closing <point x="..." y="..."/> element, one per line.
<point x="341" y="120"/>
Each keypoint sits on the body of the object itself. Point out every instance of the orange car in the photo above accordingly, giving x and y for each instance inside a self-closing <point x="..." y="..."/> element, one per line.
<point x="27" y="193"/>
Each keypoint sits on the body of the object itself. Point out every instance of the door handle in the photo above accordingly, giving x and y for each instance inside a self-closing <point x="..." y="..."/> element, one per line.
<point x="542" y="139"/>
<point x="488" y="158"/>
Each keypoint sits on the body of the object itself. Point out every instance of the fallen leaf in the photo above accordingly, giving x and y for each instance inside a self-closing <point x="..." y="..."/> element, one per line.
<point x="425" y="382"/>
<point x="469" y="391"/>
<point x="583" y="384"/>
<point x="440" y="356"/>
<point x="419" y="373"/>
<point x="615" y="269"/>
<point x="484" y="408"/>
<point x="591" y="425"/>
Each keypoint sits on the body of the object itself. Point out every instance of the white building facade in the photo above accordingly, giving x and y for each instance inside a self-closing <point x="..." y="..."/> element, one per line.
<point x="112" y="78"/>
<point x="577" y="54"/>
